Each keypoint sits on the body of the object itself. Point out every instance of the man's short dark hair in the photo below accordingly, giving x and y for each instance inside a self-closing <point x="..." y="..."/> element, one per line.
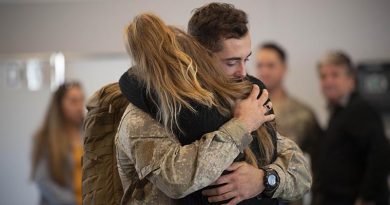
<point x="216" y="21"/>
<point x="275" y="47"/>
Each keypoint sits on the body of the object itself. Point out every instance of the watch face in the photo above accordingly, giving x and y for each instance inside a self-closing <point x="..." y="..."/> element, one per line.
<point x="271" y="180"/>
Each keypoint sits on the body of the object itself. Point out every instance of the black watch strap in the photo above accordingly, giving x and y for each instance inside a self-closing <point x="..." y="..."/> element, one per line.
<point x="271" y="181"/>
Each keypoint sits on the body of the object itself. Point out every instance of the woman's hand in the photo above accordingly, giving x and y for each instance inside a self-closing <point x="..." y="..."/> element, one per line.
<point x="252" y="112"/>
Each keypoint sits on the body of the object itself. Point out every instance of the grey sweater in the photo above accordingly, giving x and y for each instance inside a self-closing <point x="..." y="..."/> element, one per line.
<point x="51" y="192"/>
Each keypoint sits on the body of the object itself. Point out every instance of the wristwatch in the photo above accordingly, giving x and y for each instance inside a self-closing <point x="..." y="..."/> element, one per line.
<point x="271" y="181"/>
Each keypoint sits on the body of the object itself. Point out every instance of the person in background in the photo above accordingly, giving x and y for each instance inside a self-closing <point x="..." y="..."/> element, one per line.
<point x="354" y="152"/>
<point x="57" y="148"/>
<point x="294" y="119"/>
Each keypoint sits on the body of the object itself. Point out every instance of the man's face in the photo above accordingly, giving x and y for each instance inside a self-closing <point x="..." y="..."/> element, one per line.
<point x="269" y="68"/>
<point x="234" y="55"/>
<point x="335" y="82"/>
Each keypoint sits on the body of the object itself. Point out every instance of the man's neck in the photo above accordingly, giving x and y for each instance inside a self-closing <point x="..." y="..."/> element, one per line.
<point x="277" y="94"/>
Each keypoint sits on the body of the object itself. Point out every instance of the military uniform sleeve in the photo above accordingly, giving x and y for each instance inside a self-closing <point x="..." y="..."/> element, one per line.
<point x="293" y="170"/>
<point x="178" y="170"/>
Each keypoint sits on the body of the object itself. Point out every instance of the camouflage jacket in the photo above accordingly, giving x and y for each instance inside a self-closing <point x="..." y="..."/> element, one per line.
<point x="155" y="169"/>
<point x="296" y="121"/>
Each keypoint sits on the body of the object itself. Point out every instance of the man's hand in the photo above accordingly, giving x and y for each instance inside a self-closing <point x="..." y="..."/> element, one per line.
<point x="244" y="182"/>
<point x="251" y="111"/>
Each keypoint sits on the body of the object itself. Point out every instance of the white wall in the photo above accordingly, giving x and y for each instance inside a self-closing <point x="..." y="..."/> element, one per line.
<point x="21" y="114"/>
<point x="94" y="73"/>
<point x="306" y="28"/>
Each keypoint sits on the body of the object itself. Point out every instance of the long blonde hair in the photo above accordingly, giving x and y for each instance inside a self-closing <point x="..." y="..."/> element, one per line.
<point x="178" y="69"/>
<point x="52" y="140"/>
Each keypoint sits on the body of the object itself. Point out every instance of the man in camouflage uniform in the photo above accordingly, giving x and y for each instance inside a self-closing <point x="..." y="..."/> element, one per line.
<point x="294" y="119"/>
<point x="172" y="171"/>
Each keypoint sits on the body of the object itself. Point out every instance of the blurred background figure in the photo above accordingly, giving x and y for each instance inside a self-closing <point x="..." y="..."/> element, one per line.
<point x="353" y="152"/>
<point x="294" y="119"/>
<point x="57" y="148"/>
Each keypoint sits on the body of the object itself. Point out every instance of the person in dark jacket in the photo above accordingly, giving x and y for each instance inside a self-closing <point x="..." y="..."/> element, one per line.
<point x="353" y="153"/>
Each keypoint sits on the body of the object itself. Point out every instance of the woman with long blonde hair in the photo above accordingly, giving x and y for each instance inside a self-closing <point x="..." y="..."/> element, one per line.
<point x="57" y="148"/>
<point x="175" y="80"/>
